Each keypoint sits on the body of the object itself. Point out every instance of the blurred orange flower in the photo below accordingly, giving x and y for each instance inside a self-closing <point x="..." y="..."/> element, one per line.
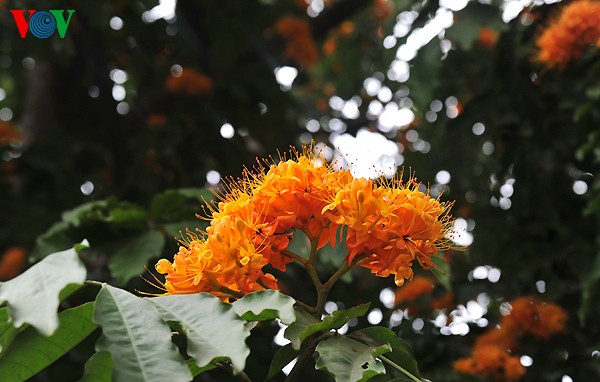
<point x="487" y="37"/>
<point x="12" y="262"/>
<point x="300" y="45"/>
<point x="491" y="357"/>
<point x="492" y="362"/>
<point x="414" y="289"/>
<point x="569" y="35"/>
<point x="8" y="133"/>
<point x="189" y="82"/>
<point x="532" y="317"/>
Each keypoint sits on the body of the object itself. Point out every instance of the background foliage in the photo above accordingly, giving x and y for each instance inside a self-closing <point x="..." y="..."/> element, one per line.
<point x="109" y="135"/>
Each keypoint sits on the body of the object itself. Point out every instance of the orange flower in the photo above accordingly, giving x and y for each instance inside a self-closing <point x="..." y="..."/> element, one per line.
<point x="157" y="120"/>
<point x="189" y="82"/>
<point x="300" y="45"/>
<point x="12" y="262"/>
<point x="574" y="30"/>
<point x="503" y="337"/>
<point x="416" y="288"/>
<point x="383" y="9"/>
<point x="535" y="318"/>
<point x="8" y="133"/>
<point x="487" y="37"/>
<point x="492" y="362"/>
<point x="446" y="301"/>
<point x="390" y="225"/>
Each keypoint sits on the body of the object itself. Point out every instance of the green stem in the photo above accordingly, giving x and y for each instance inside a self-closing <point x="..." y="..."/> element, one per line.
<point x="400" y="368"/>
<point x="306" y="307"/>
<point x="241" y="375"/>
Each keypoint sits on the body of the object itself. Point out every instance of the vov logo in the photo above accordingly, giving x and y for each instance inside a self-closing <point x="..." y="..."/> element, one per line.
<point x="42" y="24"/>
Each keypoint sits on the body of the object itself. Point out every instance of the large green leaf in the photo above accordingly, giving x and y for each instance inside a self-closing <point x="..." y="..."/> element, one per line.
<point x="266" y="305"/>
<point x="213" y="328"/>
<point x="349" y="360"/>
<point x="130" y="258"/>
<point x="401" y="354"/>
<point x="138" y="340"/>
<point x="98" y="368"/>
<point x="31" y="352"/>
<point x="303" y="327"/>
<point x="33" y="296"/>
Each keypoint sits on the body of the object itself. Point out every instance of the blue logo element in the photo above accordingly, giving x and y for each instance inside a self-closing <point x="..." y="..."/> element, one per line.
<point x="42" y="24"/>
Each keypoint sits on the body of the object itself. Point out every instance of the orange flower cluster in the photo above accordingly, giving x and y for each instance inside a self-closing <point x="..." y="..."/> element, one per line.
<point x="189" y="82"/>
<point x="492" y="362"/>
<point x="300" y="45"/>
<point x="387" y="225"/>
<point x="491" y="353"/>
<point x="572" y="32"/>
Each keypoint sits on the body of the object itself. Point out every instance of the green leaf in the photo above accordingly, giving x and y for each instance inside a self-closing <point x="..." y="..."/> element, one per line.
<point x="303" y="321"/>
<point x="83" y="212"/>
<point x="138" y="340"/>
<point x="7" y="331"/>
<point x="349" y="360"/>
<point x="33" y="296"/>
<point x="175" y="230"/>
<point x="58" y="237"/>
<point x="401" y="354"/>
<point x="174" y="205"/>
<point x="130" y="258"/>
<point x="98" y="368"/>
<point x="282" y="358"/>
<point x="31" y="352"/>
<point x="266" y="305"/>
<point x="195" y="369"/>
<point x="214" y="330"/>
<point x="298" y="332"/>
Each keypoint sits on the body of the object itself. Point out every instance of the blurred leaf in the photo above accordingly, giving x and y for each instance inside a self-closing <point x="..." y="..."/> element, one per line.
<point x="174" y="205"/>
<point x="332" y="257"/>
<point x="299" y="331"/>
<point x="58" y="237"/>
<point x="213" y="329"/>
<point x="589" y="290"/>
<point x="441" y="270"/>
<point x="130" y="258"/>
<point x="349" y="360"/>
<point x="33" y="296"/>
<point x="300" y="244"/>
<point x="401" y="353"/>
<point x="98" y="368"/>
<point x="33" y="352"/>
<point x="266" y="305"/>
<point x="86" y="211"/>
<point x="138" y="340"/>
<point x="175" y="230"/>
<point x="7" y="330"/>
<point x="282" y="358"/>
